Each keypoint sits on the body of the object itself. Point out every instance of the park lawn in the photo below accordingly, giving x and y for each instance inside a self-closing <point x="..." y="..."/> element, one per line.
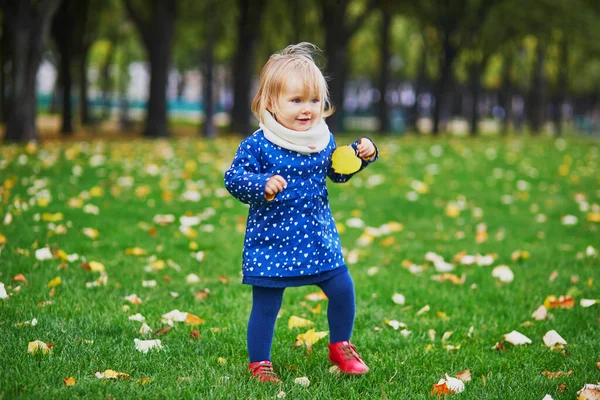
<point x="486" y="196"/>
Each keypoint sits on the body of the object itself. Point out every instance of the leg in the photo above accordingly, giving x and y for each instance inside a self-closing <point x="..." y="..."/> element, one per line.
<point x="266" y="303"/>
<point x="340" y="314"/>
<point x="341" y="306"/>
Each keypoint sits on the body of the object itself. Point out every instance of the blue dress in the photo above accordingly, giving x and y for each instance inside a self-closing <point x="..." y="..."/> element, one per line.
<point x="291" y="240"/>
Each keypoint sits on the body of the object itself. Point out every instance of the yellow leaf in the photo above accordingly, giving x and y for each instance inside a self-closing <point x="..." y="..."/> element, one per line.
<point x="91" y="233"/>
<point x="157" y="265"/>
<point x="561" y="302"/>
<point x="96" y="191"/>
<point x="297" y="322"/>
<point x="2" y="239"/>
<point x="136" y="251"/>
<point x="70" y="381"/>
<point x="345" y="161"/>
<point x="31" y="148"/>
<point x="43" y="202"/>
<point x="309" y="338"/>
<point x="110" y="374"/>
<point x="55" y="282"/>
<point x="191" y="319"/>
<point x="388" y="241"/>
<point x="75" y="202"/>
<point x="442" y="315"/>
<point x="316" y="296"/>
<point x="96" y="266"/>
<point x="452" y="210"/>
<point x="594" y="217"/>
<point x="49" y="217"/>
<point x="142" y="191"/>
<point x="38" y="345"/>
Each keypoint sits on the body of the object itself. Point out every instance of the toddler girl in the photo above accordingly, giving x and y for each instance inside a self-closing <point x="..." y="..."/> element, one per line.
<point x="291" y="238"/>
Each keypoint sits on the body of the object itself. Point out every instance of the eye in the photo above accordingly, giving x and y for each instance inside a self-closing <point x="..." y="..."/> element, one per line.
<point x="316" y="101"/>
<point x="296" y="101"/>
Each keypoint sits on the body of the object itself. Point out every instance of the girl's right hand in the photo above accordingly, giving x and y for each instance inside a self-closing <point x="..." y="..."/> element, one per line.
<point x="275" y="184"/>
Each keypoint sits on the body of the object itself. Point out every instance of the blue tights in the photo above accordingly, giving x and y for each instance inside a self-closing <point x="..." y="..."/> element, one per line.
<point x="266" y="303"/>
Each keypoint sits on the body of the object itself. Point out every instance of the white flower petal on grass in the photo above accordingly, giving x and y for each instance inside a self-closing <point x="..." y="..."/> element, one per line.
<point x="398" y="298"/>
<point x="372" y="271"/>
<point x="584" y="302"/>
<point x="540" y="314"/>
<point x="145" y="329"/>
<point x="453" y="384"/>
<point x="43" y="254"/>
<point x="552" y="338"/>
<point x="199" y="256"/>
<point x="302" y="381"/>
<point x="355" y="223"/>
<point x="137" y="317"/>
<point x="91" y="209"/>
<point x="516" y="338"/>
<point x="547" y="397"/>
<point x="3" y="294"/>
<point x="151" y="283"/>
<point x="405" y="332"/>
<point x="163" y="219"/>
<point x="589" y="391"/>
<point x="145" y="345"/>
<point x="192" y="278"/>
<point x="503" y="273"/>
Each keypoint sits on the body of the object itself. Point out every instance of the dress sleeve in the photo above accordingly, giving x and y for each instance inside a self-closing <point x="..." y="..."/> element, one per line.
<point x="340" y="178"/>
<point x="243" y="179"/>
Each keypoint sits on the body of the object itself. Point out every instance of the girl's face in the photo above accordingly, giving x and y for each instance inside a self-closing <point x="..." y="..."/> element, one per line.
<point x="298" y="110"/>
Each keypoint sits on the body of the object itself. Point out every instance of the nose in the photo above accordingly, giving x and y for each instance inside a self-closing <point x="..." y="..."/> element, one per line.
<point x="305" y="109"/>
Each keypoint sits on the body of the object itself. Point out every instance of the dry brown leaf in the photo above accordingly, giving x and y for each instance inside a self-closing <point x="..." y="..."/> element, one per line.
<point x="557" y="374"/>
<point x="195" y="334"/>
<point x="202" y="295"/>
<point x="224" y="279"/>
<point x="110" y="374"/>
<point x="163" y="331"/>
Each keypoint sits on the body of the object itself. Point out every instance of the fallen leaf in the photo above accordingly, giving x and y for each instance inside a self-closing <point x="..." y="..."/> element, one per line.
<point x="91" y="233"/>
<point x="553" y="340"/>
<point x="163" y="331"/>
<point x="144" y="329"/>
<point x="448" y="386"/>
<point x="557" y="374"/>
<point x="553" y="276"/>
<point x="302" y="381"/>
<point x="193" y="320"/>
<point x="145" y="345"/>
<point x="316" y="296"/>
<point x="202" y="295"/>
<point x="297" y="322"/>
<point x="136" y="317"/>
<point x="136" y="251"/>
<point x="192" y="278"/>
<point x="143" y="381"/>
<point x="398" y="298"/>
<point x="309" y="338"/>
<point x="55" y="282"/>
<point x="423" y="310"/>
<point x="516" y="338"/>
<point x="589" y="392"/>
<point x="3" y="294"/>
<point x="561" y="302"/>
<point x="70" y="381"/>
<point x="43" y="254"/>
<point x="110" y="374"/>
<point x="345" y="161"/>
<point x="133" y="299"/>
<point x="195" y="334"/>
<point x="95" y="266"/>
<point x="464" y="376"/>
<point x="38" y="346"/>
<point x="503" y="273"/>
<point x="588" y="302"/>
<point x="224" y="279"/>
<point x="20" y="278"/>
<point x="395" y="324"/>
<point x="540" y="314"/>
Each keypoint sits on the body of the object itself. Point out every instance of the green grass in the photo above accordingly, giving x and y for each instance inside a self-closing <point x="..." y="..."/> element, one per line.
<point x="475" y="173"/>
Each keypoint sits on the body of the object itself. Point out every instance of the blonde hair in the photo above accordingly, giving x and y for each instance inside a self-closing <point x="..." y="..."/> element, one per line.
<point x="294" y="59"/>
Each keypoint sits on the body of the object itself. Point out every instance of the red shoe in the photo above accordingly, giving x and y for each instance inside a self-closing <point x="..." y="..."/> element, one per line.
<point x="344" y="355"/>
<point x="263" y="370"/>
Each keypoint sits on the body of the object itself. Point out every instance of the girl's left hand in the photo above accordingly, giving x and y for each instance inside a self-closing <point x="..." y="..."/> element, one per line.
<point x="366" y="149"/>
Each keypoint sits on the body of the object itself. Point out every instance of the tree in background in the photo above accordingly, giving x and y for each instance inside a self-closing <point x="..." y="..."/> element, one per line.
<point x="29" y="25"/>
<point x="156" y="25"/>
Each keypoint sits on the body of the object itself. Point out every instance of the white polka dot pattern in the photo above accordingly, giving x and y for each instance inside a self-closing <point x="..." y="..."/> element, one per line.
<point x="295" y="234"/>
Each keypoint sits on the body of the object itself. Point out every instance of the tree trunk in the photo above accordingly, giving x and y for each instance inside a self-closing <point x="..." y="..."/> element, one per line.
<point x="4" y="57"/>
<point x="29" y="25"/>
<point x="561" y="87"/>
<point x="384" y="75"/>
<point x="106" y="83"/>
<point x="67" y="114"/>
<point x="537" y="93"/>
<point x="248" y="26"/>
<point x="475" y="84"/>
<point x="506" y="94"/>
<point x="440" y="89"/>
<point x="208" y="129"/>
<point x="157" y="35"/>
<point x="61" y="27"/>
<point x="84" y="115"/>
<point x="413" y="116"/>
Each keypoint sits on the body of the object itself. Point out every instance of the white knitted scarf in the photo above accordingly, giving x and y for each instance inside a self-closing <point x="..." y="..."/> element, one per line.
<point x="311" y="141"/>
